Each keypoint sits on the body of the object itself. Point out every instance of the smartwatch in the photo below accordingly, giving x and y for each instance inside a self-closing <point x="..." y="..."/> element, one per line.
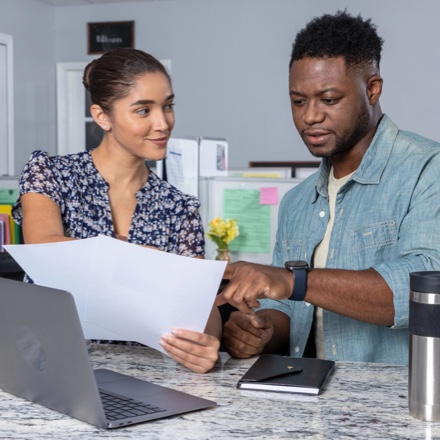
<point x="299" y="269"/>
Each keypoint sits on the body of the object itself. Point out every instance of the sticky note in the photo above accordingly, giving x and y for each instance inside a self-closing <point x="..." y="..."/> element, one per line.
<point x="269" y="196"/>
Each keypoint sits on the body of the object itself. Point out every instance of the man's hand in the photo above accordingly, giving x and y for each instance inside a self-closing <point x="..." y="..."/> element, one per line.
<point x="249" y="281"/>
<point x="246" y="335"/>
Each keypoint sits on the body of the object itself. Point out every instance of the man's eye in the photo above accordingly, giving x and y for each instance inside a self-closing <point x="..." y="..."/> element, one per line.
<point x="297" y="102"/>
<point x="169" y="107"/>
<point x="330" y="101"/>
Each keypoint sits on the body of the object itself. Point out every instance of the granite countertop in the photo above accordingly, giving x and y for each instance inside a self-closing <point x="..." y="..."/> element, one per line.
<point x="361" y="401"/>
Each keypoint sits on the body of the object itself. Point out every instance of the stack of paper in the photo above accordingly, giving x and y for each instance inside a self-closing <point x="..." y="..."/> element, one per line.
<point x="125" y="291"/>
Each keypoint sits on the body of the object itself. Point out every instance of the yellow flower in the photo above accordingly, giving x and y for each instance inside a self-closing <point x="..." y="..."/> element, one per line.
<point x="222" y="232"/>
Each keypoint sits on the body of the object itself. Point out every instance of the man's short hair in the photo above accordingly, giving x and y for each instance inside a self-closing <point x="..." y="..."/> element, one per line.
<point x="339" y="35"/>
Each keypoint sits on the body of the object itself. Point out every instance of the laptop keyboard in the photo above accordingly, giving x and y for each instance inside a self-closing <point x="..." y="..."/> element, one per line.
<point x="118" y="407"/>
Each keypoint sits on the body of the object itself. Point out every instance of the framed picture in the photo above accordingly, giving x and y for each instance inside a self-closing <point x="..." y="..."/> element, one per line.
<point x="104" y="36"/>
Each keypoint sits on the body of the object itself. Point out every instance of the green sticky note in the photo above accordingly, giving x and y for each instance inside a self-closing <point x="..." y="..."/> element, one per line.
<point x="8" y="195"/>
<point x="253" y="220"/>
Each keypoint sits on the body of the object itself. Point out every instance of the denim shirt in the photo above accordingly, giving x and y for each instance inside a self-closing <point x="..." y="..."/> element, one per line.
<point x="387" y="218"/>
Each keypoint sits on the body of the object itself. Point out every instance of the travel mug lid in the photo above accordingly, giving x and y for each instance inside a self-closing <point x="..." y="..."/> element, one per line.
<point x="427" y="282"/>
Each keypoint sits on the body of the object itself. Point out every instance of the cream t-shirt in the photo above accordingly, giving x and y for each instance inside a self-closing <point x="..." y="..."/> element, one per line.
<point x="320" y="256"/>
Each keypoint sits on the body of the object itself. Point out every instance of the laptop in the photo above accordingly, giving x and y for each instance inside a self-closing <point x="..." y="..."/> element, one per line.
<point x="44" y="359"/>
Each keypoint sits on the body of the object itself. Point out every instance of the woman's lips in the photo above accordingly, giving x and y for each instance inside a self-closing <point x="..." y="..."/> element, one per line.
<point x="161" y="142"/>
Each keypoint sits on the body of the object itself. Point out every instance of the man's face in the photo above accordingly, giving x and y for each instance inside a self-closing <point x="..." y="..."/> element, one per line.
<point x="330" y="107"/>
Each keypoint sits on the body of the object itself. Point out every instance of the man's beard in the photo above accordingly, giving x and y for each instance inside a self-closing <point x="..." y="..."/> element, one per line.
<point x="348" y="140"/>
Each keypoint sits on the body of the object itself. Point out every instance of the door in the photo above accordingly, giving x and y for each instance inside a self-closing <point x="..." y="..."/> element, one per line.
<point x="70" y="108"/>
<point x="6" y="107"/>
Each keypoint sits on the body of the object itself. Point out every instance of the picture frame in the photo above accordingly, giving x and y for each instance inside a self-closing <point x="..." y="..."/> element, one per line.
<point x="103" y="36"/>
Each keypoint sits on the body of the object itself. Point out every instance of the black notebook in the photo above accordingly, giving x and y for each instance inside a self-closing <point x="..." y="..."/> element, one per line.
<point x="272" y="372"/>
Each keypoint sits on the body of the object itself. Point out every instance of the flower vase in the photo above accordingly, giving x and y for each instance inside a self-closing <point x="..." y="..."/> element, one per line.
<point x="223" y="255"/>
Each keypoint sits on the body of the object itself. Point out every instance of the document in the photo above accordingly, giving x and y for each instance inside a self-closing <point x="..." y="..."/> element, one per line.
<point x="182" y="164"/>
<point x="253" y="217"/>
<point x="124" y="291"/>
<point x="175" y="167"/>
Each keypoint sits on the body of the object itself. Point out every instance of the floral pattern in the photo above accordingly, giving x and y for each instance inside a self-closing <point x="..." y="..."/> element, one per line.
<point x="164" y="217"/>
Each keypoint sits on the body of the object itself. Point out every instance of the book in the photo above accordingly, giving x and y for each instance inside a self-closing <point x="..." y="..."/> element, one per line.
<point x="7" y="209"/>
<point x="6" y="229"/>
<point x="14" y="230"/>
<point x="2" y="236"/>
<point x="272" y="372"/>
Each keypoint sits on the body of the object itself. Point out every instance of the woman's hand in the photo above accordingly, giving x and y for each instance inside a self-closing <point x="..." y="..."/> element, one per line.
<point x="194" y="350"/>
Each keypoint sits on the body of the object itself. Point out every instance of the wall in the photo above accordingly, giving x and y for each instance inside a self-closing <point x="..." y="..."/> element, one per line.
<point x="229" y="61"/>
<point x="32" y="24"/>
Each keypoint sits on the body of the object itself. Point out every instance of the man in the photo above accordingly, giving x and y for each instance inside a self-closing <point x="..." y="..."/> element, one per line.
<point x="369" y="217"/>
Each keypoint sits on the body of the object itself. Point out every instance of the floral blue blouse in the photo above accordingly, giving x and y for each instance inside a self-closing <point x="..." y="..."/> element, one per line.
<point x="164" y="217"/>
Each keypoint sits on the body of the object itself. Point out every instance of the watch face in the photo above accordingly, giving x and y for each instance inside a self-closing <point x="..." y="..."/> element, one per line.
<point x="296" y="264"/>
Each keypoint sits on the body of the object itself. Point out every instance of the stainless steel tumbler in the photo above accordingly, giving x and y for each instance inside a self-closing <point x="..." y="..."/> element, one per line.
<point x="424" y="346"/>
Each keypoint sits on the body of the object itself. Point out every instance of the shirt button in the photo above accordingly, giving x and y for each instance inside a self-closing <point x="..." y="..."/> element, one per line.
<point x="322" y="214"/>
<point x="307" y="304"/>
<point x="296" y="349"/>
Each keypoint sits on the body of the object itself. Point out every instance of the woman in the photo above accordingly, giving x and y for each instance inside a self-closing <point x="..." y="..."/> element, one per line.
<point x="111" y="191"/>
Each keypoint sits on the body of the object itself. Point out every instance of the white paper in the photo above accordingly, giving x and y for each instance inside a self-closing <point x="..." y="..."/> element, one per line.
<point x="175" y="166"/>
<point x="183" y="165"/>
<point x="213" y="157"/>
<point x="124" y="291"/>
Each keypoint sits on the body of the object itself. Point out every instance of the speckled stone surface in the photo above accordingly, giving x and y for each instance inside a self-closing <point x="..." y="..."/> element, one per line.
<point x="361" y="401"/>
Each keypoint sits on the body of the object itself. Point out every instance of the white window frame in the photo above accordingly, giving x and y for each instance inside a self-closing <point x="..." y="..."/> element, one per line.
<point x="7" y="40"/>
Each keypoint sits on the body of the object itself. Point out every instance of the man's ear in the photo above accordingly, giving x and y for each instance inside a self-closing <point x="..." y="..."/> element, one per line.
<point x="374" y="88"/>
<point x="100" y="117"/>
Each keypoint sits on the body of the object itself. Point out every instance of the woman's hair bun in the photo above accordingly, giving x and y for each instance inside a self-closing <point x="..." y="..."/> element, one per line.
<point x="87" y="73"/>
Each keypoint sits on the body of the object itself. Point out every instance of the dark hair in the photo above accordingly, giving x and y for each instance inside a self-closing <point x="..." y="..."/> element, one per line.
<point x="111" y="76"/>
<point x="339" y="35"/>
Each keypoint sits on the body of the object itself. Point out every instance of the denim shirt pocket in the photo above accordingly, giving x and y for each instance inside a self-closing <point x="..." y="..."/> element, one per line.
<point x="293" y="250"/>
<point x="370" y="241"/>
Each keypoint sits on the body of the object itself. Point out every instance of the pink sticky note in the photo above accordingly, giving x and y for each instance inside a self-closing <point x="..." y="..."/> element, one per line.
<point x="269" y="196"/>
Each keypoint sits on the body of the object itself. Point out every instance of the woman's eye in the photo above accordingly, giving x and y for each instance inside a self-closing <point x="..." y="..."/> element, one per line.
<point x="170" y="106"/>
<point x="143" y="111"/>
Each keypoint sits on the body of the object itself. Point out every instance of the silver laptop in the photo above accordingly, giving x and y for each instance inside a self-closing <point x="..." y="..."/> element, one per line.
<point x="44" y="359"/>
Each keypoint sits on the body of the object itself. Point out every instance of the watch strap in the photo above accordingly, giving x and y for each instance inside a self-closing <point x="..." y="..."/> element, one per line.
<point x="299" y="284"/>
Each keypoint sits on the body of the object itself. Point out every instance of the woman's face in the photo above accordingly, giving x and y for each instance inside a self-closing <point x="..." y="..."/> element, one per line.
<point x="141" y="123"/>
